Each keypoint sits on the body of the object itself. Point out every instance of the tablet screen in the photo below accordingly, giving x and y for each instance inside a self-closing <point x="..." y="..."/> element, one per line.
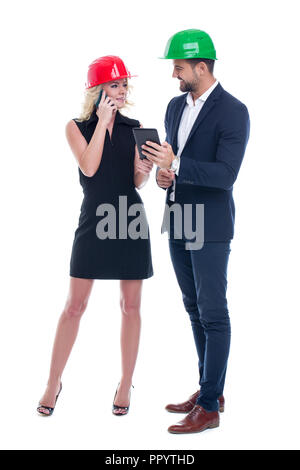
<point x="141" y="135"/>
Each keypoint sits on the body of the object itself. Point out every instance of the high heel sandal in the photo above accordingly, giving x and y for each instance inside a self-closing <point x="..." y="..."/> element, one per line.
<point x="41" y="413"/>
<point x="117" y="407"/>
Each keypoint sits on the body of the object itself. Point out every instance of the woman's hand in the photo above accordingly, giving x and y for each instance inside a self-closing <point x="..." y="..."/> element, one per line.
<point x="107" y="107"/>
<point x="142" y="170"/>
<point x="142" y="166"/>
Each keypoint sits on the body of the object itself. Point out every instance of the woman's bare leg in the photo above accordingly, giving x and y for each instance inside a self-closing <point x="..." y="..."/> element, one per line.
<point x="130" y="302"/>
<point x="66" y="334"/>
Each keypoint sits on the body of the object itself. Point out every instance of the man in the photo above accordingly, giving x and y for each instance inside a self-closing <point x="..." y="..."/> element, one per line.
<point x="207" y="131"/>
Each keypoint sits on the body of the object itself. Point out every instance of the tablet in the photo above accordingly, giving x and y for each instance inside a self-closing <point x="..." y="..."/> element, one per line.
<point x="141" y="135"/>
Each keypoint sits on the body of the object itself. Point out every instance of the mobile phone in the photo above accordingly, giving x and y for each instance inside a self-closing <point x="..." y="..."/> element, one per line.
<point x="99" y="98"/>
<point x="141" y="135"/>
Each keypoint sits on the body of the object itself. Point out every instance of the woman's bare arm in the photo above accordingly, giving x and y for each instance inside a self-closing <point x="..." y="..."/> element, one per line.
<point x="87" y="155"/>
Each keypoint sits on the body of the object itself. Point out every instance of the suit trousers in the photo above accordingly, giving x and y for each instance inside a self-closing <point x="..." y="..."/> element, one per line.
<point x="202" y="278"/>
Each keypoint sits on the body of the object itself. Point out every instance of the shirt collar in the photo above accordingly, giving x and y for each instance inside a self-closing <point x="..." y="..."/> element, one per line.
<point x="202" y="98"/>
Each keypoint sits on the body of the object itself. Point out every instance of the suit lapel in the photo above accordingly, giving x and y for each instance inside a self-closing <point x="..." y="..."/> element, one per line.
<point x="208" y="105"/>
<point x="177" y="120"/>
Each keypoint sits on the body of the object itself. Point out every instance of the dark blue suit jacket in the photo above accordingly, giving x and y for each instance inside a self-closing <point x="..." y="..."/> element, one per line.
<point x="211" y="158"/>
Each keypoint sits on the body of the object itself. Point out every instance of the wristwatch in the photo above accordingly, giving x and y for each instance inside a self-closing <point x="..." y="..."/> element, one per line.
<point x="175" y="164"/>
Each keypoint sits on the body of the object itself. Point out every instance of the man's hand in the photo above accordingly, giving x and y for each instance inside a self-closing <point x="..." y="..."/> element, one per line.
<point x="161" y="155"/>
<point x="165" y="177"/>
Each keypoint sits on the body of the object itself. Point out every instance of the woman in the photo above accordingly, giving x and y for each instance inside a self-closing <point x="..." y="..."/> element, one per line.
<point x="110" y="170"/>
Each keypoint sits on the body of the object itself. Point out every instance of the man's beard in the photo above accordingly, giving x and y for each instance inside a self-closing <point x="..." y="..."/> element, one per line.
<point x="188" y="86"/>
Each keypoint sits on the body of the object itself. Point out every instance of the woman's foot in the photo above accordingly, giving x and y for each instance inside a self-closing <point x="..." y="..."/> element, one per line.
<point x="49" y="398"/>
<point x="122" y="399"/>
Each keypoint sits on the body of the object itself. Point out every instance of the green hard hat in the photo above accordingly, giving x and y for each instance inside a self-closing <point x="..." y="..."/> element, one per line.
<point x="190" y="44"/>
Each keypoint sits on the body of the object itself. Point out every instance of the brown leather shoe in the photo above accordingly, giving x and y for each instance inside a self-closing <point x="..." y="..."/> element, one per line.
<point x="188" y="405"/>
<point x="196" y="421"/>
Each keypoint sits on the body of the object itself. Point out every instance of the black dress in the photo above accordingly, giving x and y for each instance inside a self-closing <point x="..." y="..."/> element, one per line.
<point x="109" y="243"/>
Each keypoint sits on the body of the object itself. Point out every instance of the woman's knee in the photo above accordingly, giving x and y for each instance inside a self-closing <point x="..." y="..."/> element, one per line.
<point x="74" y="309"/>
<point x="129" y="307"/>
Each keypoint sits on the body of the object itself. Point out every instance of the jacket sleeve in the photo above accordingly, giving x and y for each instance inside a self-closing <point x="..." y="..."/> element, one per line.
<point x="167" y="138"/>
<point x="231" y="148"/>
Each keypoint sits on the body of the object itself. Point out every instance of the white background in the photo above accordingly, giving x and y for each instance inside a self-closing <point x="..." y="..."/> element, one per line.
<point x="46" y="48"/>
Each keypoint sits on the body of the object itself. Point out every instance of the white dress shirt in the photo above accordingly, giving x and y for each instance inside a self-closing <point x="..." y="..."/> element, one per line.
<point x="189" y="116"/>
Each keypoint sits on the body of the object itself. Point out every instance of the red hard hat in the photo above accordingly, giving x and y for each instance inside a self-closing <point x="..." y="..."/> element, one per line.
<point x="105" y="69"/>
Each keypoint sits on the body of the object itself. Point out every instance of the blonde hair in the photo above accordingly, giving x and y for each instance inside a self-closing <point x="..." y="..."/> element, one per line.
<point x="91" y="95"/>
